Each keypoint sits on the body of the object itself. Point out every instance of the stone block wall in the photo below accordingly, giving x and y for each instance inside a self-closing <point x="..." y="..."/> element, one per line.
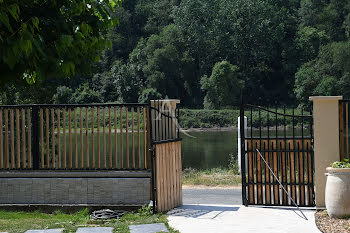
<point x="74" y="190"/>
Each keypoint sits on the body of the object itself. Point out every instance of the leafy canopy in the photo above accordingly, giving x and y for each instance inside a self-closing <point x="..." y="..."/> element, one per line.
<point x="44" y="39"/>
<point x="223" y="87"/>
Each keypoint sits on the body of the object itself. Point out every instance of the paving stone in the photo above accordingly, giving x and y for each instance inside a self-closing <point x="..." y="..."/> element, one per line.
<point x="148" y="228"/>
<point x="95" y="230"/>
<point x="46" y="231"/>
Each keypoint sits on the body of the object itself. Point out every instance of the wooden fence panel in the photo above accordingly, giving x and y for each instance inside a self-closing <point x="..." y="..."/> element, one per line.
<point x="291" y="161"/>
<point x="75" y="137"/>
<point x="168" y="177"/>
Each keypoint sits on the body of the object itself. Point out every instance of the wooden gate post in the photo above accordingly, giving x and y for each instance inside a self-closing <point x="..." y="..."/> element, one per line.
<point x="326" y="140"/>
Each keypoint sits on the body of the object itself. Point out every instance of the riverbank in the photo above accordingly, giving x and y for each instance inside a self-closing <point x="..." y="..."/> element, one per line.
<point x="228" y="118"/>
<point x="216" y="177"/>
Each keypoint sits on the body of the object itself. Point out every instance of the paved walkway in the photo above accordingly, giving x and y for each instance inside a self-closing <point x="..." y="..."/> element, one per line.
<point x="222" y="218"/>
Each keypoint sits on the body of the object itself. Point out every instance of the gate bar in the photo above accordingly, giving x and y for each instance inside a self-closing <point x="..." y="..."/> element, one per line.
<point x="282" y="185"/>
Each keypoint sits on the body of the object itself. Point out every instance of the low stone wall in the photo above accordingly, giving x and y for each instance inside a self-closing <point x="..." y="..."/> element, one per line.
<point x="74" y="188"/>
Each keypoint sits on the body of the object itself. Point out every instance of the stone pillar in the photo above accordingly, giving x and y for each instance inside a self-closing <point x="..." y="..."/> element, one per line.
<point x="168" y="107"/>
<point x="326" y="140"/>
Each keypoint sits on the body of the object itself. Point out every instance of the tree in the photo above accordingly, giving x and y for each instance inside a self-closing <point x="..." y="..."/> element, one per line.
<point x="327" y="74"/>
<point x="223" y="87"/>
<point x="44" y="39"/>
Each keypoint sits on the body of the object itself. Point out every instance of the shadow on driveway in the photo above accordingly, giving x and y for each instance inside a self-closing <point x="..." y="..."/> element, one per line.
<point x="196" y="211"/>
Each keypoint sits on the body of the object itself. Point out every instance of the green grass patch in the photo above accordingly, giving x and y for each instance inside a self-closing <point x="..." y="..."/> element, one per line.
<point x="211" y="177"/>
<point x="21" y="221"/>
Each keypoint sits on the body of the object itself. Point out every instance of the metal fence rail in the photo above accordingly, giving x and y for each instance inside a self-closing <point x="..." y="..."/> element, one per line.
<point x="74" y="136"/>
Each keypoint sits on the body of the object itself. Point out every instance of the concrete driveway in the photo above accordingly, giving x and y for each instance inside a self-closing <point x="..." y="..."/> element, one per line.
<point x="199" y="215"/>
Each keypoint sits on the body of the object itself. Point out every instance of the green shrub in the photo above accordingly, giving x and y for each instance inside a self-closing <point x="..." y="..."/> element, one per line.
<point x="343" y="164"/>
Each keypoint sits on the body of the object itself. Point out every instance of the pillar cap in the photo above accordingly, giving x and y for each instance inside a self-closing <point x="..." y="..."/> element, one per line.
<point x="325" y="98"/>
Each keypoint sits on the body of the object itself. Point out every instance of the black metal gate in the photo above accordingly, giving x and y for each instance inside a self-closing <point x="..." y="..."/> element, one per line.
<point x="284" y="138"/>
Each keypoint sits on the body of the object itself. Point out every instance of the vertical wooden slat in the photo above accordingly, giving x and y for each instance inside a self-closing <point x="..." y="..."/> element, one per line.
<point x="171" y="175"/>
<point x="116" y="139"/>
<point x="173" y="195"/>
<point x="24" y="149"/>
<point x="310" y="172"/>
<point x="110" y="138"/>
<point x="87" y="154"/>
<point x="70" y="138"/>
<point x="53" y="137"/>
<point x="148" y="138"/>
<point x="267" y="172"/>
<point x="121" y="137"/>
<point x="98" y="139"/>
<point x="158" y="177"/>
<point x="284" y="171"/>
<point x="292" y="169"/>
<point x="81" y="139"/>
<point x="341" y="130"/>
<point x="29" y="133"/>
<point x="144" y="138"/>
<point x="180" y="169"/>
<point x="104" y="137"/>
<point x="161" y="176"/>
<point x="132" y="137"/>
<point x="258" y="170"/>
<point x="179" y="176"/>
<point x="47" y="124"/>
<point x="138" y="138"/>
<point x="12" y="125"/>
<point x="93" y="137"/>
<point x="64" y="138"/>
<point x="42" y="137"/>
<point x="18" y="140"/>
<point x="166" y="178"/>
<point x="250" y="172"/>
<point x="301" y="160"/>
<point x="176" y="185"/>
<point x="127" y="137"/>
<point x="58" y="113"/>
<point x="275" y="170"/>
<point x="7" y="157"/>
<point x="1" y="142"/>
<point x="75" y="138"/>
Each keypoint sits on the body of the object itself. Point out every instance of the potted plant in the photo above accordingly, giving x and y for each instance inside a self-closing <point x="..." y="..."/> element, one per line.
<point x="338" y="189"/>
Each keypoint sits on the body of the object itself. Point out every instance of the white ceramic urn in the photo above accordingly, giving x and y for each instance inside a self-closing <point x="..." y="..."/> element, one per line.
<point x="338" y="192"/>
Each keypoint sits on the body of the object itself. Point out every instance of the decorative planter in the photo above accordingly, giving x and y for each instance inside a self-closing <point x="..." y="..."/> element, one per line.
<point x="338" y="192"/>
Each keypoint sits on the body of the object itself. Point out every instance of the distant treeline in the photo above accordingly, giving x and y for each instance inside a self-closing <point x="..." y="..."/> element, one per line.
<point x="206" y="52"/>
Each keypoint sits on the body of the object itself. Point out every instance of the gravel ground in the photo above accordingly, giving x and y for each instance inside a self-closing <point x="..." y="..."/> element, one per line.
<point x="331" y="225"/>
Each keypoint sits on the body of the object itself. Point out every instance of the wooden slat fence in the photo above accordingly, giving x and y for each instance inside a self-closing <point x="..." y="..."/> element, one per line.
<point x="291" y="161"/>
<point x="15" y="138"/>
<point x="168" y="176"/>
<point x="166" y="158"/>
<point x="77" y="137"/>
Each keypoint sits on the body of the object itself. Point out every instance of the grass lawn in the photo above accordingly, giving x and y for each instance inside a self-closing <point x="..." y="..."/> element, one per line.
<point x="20" y="221"/>
<point x="211" y="177"/>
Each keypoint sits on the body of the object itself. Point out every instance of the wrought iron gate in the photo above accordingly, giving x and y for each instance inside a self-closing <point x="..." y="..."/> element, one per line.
<point x="285" y="140"/>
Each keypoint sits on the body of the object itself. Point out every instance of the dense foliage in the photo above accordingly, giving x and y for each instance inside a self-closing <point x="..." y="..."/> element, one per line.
<point x="204" y="52"/>
<point x="42" y="39"/>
